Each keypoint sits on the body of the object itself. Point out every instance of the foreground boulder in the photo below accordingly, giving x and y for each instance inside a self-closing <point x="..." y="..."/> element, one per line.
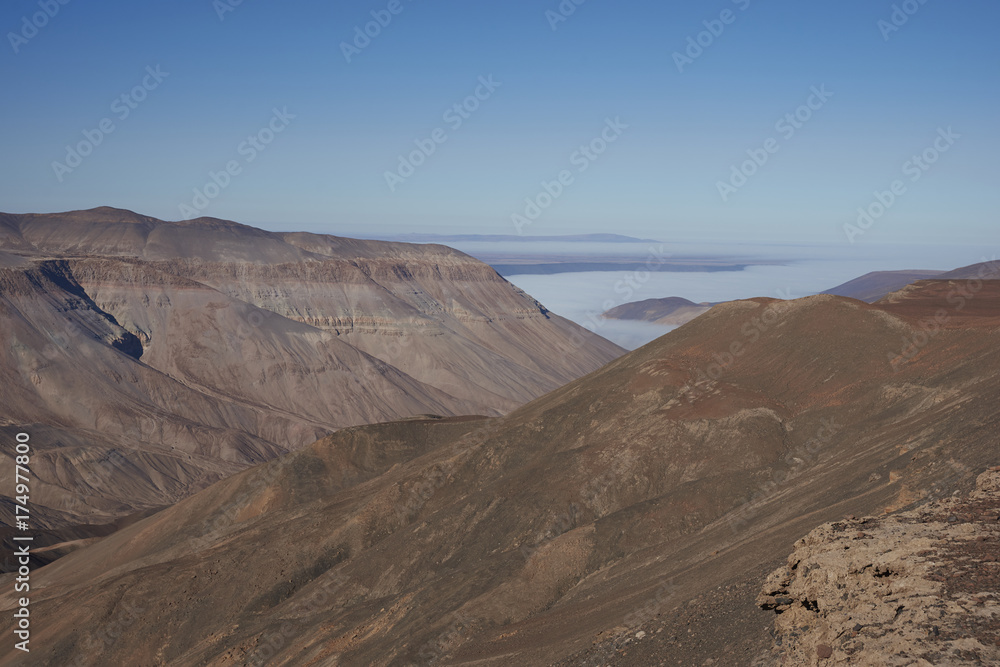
<point x="916" y="588"/>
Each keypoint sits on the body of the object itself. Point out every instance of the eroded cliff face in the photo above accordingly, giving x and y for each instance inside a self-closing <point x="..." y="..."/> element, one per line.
<point x="452" y="323"/>
<point x="154" y="358"/>
<point x="110" y="433"/>
<point x="915" y="588"/>
<point x="434" y="313"/>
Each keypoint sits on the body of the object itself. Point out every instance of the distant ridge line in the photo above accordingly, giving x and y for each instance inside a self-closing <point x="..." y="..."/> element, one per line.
<point x="496" y="238"/>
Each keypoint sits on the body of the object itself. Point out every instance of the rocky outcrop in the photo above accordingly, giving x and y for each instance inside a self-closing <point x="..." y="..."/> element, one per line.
<point x="915" y="588"/>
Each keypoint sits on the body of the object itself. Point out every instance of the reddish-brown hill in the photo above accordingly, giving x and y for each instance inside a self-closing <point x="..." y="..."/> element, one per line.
<point x="875" y="285"/>
<point x="630" y="516"/>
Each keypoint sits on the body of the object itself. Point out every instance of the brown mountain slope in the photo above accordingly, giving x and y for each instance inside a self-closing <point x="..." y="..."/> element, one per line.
<point x="155" y="358"/>
<point x="875" y="285"/>
<point x="628" y="517"/>
<point x="128" y="428"/>
<point x="435" y="313"/>
<point x="985" y="270"/>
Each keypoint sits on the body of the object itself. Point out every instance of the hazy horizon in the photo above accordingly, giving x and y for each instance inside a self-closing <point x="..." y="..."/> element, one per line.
<point x="309" y="134"/>
<point x="796" y="271"/>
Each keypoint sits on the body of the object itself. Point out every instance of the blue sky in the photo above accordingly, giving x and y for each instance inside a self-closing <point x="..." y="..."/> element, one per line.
<point x="226" y="72"/>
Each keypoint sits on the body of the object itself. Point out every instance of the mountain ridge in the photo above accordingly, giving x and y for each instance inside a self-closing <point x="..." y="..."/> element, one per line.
<point x="629" y="516"/>
<point x="183" y="352"/>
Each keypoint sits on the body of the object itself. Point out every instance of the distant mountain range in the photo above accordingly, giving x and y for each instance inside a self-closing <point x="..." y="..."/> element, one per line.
<point x="551" y="268"/>
<point x="870" y="288"/>
<point x="506" y="238"/>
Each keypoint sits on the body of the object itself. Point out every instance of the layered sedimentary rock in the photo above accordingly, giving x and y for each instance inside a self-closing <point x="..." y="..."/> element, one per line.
<point x="148" y="359"/>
